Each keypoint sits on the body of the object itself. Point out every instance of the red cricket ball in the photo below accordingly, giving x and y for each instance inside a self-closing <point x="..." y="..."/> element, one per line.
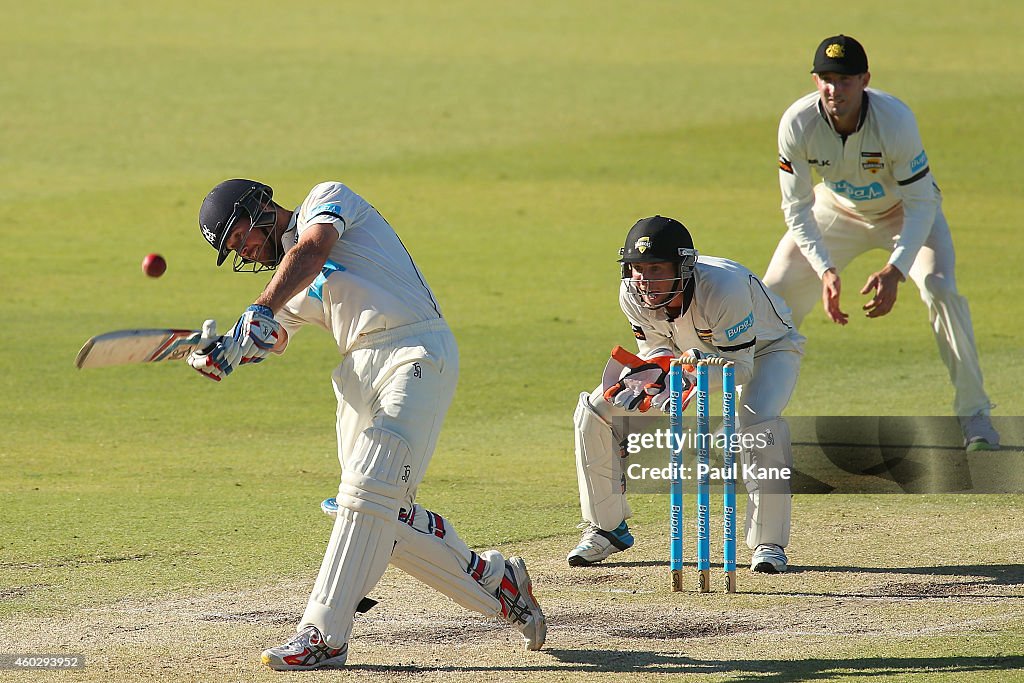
<point x="154" y="265"/>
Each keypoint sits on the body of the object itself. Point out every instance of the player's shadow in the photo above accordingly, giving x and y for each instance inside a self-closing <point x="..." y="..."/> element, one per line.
<point x="991" y="574"/>
<point x="581" y="662"/>
<point x="969" y="581"/>
<point x="762" y="671"/>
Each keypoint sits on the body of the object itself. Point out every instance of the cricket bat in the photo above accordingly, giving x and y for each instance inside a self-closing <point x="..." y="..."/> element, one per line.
<point x="125" y="347"/>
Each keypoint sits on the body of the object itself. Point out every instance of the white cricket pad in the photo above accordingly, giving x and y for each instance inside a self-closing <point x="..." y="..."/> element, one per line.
<point x="599" y="466"/>
<point x="369" y="497"/>
<point x="430" y="550"/>
<point x="769" y="503"/>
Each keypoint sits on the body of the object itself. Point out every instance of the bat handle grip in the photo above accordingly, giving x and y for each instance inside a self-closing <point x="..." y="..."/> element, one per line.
<point x="209" y="335"/>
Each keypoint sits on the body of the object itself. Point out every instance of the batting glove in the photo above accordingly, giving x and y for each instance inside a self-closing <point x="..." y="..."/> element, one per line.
<point x="217" y="360"/>
<point x="256" y="333"/>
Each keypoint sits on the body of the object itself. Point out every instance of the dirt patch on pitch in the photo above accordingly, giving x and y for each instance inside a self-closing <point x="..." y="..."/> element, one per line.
<point x="606" y="622"/>
<point x="267" y="617"/>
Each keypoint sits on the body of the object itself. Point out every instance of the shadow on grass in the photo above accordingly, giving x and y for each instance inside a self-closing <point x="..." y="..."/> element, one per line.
<point x="996" y="574"/>
<point x="761" y="671"/>
<point x="984" y="574"/>
<point x="973" y="581"/>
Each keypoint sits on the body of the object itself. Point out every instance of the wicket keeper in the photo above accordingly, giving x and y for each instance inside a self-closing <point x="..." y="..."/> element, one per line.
<point x="678" y="301"/>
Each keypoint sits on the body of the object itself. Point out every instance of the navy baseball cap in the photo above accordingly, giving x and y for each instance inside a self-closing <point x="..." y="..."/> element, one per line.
<point x="840" y="54"/>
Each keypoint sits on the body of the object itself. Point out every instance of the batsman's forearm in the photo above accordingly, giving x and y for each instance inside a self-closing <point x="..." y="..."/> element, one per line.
<point x="297" y="270"/>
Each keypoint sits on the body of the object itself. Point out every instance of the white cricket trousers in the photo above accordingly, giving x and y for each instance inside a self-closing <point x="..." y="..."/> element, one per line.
<point x="847" y="236"/>
<point x="393" y="392"/>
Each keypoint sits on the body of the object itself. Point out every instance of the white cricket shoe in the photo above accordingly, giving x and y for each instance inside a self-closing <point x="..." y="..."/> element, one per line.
<point x="597" y="544"/>
<point x="769" y="559"/>
<point x="979" y="434"/>
<point x="330" y="507"/>
<point x="519" y="607"/>
<point x="308" y="650"/>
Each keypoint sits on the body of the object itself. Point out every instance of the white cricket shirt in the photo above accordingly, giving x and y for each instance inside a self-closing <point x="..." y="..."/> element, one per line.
<point x="732" y="314"/>
<point x="869" y="173"/>
<point x="369" y="283"/>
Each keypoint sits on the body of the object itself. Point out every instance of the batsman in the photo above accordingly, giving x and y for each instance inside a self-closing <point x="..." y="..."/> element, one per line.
<point x="339" y="266"/>
<point x="678" y="301"/>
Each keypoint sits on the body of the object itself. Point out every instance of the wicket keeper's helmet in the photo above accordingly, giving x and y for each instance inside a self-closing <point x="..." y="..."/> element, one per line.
<point x="227" y="203"/>
<point x="658" y="239"/>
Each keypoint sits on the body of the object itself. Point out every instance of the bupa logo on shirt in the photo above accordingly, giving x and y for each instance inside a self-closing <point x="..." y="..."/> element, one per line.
<point x="856" y="192"/>
<point x="740" y="327"/>
<point x="316" y="288"/>
<point x="918" y="162"/>
<point x="330" y="209"/>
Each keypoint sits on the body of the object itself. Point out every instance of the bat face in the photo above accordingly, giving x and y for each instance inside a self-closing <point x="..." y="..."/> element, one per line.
<point x="137" y="346"/>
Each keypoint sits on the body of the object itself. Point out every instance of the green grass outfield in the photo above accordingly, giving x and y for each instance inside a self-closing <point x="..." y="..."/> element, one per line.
<point x="511" y="145"/>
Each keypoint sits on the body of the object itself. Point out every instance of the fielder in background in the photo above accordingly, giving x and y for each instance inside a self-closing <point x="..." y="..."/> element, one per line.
<point x="676" y="302"/>
<point x="877" y="192"/>
<point x="339" y="266"/>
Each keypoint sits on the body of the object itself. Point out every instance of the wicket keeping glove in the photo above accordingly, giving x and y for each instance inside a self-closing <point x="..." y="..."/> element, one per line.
<point x="689" y="377"/>
<point x="644" y="385"/>
<point x="662" y="402"/>
<point x="256" y="333"/>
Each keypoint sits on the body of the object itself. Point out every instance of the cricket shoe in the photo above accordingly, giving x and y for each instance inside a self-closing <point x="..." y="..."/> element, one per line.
<point x="979" y="434"/>
<point x="597" y="544"/>
<point x="308" y="650"/>
<point x="769" y="559"/>
<point x="519" y="607"/>
<point x="330" y="507"/>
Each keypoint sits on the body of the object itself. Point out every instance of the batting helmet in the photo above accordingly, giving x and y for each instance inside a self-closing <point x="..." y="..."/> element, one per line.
<point x="654" y="240"/>
<point x="227" y="203"/>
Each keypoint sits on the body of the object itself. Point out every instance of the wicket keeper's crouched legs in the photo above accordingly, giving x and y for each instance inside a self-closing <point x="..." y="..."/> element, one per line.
<point x="602" y="482"/>
<point x="769" y="503"/>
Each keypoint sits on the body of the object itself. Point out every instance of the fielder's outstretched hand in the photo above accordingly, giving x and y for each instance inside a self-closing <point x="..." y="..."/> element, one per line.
<point x="884" y="284"/>
<point x="831" y="286"/>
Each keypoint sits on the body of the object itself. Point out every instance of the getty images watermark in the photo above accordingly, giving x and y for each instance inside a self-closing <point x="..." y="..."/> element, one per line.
<point x="829" y="454"/>
<point x="690" y="442"/>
